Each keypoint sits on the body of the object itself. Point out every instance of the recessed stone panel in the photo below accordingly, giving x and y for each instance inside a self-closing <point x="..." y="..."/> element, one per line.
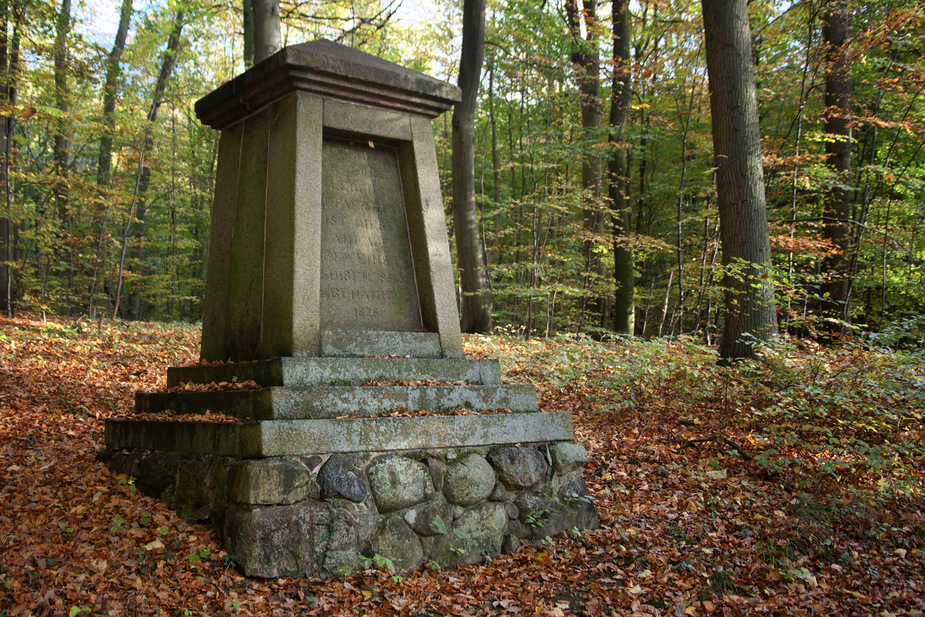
<point x="367" y="276"/>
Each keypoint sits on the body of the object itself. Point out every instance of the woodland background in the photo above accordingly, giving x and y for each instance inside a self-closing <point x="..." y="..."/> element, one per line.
<point x="108" y="175"/>
<point x="790" y="484"/>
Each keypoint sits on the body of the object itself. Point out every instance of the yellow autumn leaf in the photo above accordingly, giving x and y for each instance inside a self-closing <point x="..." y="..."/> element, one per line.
<point x="156" y="544"/>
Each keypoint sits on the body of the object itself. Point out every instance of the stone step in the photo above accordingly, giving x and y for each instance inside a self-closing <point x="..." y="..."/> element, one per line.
<point x="359" y="344"/>
<point x="335" y="401"/>
<point x="277" y="403"/>
<point x="306" y="371"/>
<point x="304" y="437"/>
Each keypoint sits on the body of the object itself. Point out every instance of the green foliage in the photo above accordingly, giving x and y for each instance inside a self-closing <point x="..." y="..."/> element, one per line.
<point x="198" y="555"/>
<point x="529" y="143"/>
<point x="812" y="415"/>
<point x="377" y="561"/>
<point x="118" y="524"/>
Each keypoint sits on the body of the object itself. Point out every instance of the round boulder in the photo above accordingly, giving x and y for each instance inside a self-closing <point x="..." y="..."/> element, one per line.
<point x="567" y="456"/>
<point x="341" y="477"/>
<point x="398" y="482"/>
<point x="397" y="543"/>
<point x="518" y="468"/>
<point x="468" y="481"/>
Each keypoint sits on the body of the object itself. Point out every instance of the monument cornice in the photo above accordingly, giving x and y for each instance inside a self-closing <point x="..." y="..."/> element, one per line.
<point x="327" y="70"/>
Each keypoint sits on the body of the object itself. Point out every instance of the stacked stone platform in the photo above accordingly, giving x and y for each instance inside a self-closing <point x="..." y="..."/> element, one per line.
<point x="307" y="481"/>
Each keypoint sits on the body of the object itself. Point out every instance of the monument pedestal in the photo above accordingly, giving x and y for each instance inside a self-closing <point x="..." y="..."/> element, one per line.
<point x="363" y="429"/>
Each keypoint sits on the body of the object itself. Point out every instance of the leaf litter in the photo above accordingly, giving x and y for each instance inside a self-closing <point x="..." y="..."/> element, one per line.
<point x="825" y="517"/>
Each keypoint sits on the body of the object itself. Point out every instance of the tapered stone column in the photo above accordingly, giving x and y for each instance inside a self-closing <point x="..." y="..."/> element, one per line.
<point x="328" y="213"/>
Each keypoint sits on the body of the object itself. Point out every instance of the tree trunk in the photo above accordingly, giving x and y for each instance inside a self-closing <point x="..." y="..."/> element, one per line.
<point x="61" y="189"/>
<point x="104" y="164"/>
<point x="248" y="27"/>
<point x="624" y="309"/>
<point x="475" y="310"/>
<point x="586" y="59"/>
<point x="9" y="67"/>
<point x="143" y="174"/>
<point x="749" y="293"/>
<point x="837" y="201"/>
<point x="267" y="40"/>
<point x="110" y="94"/>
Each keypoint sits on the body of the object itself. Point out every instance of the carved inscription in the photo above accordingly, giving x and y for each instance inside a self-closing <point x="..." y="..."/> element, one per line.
<point x="367" y="276"/>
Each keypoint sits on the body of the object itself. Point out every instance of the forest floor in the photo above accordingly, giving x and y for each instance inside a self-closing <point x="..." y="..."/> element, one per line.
<point x="791" y="486"/>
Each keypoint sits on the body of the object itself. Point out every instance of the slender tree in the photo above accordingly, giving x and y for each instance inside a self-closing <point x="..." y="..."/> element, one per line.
<point x="837" y="200"/>
<point x="749" y="292"/>
<point x="104" y="164"/>
<point x="110" y="94"/>
<point x="62" y="188"/>
<point x="586" y="58"/>
<point x="9" y="67"/>
<point x="624" y="308"/>
<point x="248" y="24"/>
<point x="267" y="40"/>
<point x="137" y="210"/>
<point x="475" y="305"/>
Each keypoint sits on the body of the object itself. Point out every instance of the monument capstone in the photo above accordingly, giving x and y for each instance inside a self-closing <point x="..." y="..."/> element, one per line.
<point x="331" y="334"/>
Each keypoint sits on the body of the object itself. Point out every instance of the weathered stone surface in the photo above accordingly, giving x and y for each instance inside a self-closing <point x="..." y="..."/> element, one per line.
<point x="269" y="481"/>
<point x="437" y="472"/>
<point x="363" y="517"/>
<point x="567" y="456"/>
<point x="291" y="540"/>
<point x="398" y="482"/>
<point x="153" y="473"/>
<point x="332" y="401"/>
<point x="359" y="343"/>
<point x="302" y="372"/>
<point x="196" y="481"/>
<point x="432" y="520"/>
<point x="469" y="481"/>
<point x="577" y="508"/>
<point x="511" y="544"/>
<point x="342" y="477"/>
<point x="533" y="510"/>
<point x="339" y="563"/>
<point x="479" y="532"/>
<point x="573" y="490"/>
<point x="501" y="494"/>
<point x="288" y="437"/>
<point x="299" y="437"/>
<point x="398" y="543"/>
<point x="349" y="75"/>
<point x="518" y="467"/>
<point x="367" y="276"/>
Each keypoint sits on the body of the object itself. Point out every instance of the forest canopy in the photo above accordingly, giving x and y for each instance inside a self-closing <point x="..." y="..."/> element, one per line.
<point x="107" y="175"/>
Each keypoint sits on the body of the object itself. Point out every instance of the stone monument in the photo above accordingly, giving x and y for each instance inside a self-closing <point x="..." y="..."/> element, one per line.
<point x="331" y="334"/>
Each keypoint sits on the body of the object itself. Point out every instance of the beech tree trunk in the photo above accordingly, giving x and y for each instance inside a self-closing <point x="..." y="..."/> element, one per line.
<point x="110" y="94"/>
<point x="837" y="201"/>
<point x="586" y="59"/>
<point x="475" y="305"/>
<point x="624" y="308"/>
<point x="248" y="27"/>
<point x="62" y="190"/>
<point x="143" y="174"/>
<point x="267" y="39"/>
<point x="749" y="292"/>
<point x="104" y="164"/>
<point x="9" y="67"/>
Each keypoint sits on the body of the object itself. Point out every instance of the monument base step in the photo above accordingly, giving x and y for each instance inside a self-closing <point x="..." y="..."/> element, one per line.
<point x="304" y="437"/>
<point x="323" y="497"/>
<point x="302" y="372"/>
<point x="278" y="403"/>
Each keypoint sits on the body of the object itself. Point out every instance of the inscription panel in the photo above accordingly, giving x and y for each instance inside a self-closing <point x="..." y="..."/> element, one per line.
<point x="367" y="276"/>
